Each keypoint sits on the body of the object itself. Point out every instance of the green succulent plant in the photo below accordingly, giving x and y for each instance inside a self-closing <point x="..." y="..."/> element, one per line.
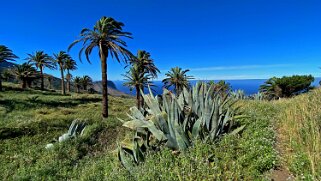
<point x="177" y="121"/>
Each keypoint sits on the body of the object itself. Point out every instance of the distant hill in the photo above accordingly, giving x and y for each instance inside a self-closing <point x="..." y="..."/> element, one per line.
<point x="112" y="90"/>
<point x="56" y="82"/>
<point x="5" y="65"/>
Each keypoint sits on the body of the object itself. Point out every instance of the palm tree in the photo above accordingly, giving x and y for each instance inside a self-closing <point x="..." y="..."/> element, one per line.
<point x="70" y="64"/>
<point x="77" y="83"/>
<point x="85" y="81"/>
<point x="221" y="86"/>
<point x="7" y="75"/>
<point x="106" y="35"/>
<point x="137" y="80"/>
<point x="5" y="55"/>
<point x="270" y="89"/>
<point x="177" y="77"/>
<point x="26" y="73"/>
<point x="142" y="69"/>
<point x="61" y="58"/>
<point x="41" y="60"/>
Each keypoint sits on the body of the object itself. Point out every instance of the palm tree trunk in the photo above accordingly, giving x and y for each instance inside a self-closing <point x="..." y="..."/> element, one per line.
<point x="68" y="81"/>
<point x="78" y="87"/>
<point x="141" y="96"/>
<point x="138" y="97"/>
<point x="42" y="81"/>
<point x="0" y="81"/>
<point x="24" y="84"/>
<point x="103" y="59"/>
<point x="63" y="90"/>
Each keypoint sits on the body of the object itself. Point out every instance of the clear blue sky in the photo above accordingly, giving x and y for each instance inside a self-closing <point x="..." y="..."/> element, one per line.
<point x="215" y="39"/>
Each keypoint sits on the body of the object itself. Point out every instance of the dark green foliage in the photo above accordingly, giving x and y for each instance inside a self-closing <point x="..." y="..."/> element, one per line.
<point x="286" y="86"/>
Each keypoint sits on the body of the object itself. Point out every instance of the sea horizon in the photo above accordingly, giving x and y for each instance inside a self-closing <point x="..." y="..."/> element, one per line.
<point x="249" y="86"/>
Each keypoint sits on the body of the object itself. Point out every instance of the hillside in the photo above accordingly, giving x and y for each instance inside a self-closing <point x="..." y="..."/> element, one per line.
<point x="56" y="82"/>
<point x="31" y="119"/>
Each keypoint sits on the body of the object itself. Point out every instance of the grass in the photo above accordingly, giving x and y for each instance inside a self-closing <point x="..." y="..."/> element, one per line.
<point x="31" y="119"/>
<point x="299" y="128"/>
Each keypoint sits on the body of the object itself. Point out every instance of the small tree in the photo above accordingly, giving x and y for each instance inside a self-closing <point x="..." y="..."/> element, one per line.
<point x="86" y="81"/>
<point x="25" y="73"/>
<point x="286" y="86"/>
<point x="177" y="77"/>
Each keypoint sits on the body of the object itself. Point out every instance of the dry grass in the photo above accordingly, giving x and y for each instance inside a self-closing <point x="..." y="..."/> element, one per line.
<point x="299" y="124"/>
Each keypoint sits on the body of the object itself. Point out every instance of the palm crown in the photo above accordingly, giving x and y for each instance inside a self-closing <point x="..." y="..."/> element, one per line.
<point x="177" y="77"/>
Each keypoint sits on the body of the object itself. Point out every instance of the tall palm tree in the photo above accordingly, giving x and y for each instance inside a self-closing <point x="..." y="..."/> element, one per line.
<point x="137" y="80"/>
<point x="26" y="73"/>
<point x="142" y="70"/>
<point x="70" y="64"/>
<point x="86" y="81"/>
<point x="177" y="77"/>
<point x="5" y="55"/>
<point x="77" y="83"/>
<point x="61" y="58"/>
<point x="41" y="60"/>
<point x="106" y="35"/>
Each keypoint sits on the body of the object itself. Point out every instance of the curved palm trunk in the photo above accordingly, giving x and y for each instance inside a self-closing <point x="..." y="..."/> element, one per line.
<point x="68" y="81"/>
<point x="103" y="59"/>
<point x="42" y="81"/>
<point x="63" y="90"/>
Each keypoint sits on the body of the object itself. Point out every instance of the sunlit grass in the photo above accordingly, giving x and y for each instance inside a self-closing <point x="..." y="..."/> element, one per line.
<point x="299" y="126"/>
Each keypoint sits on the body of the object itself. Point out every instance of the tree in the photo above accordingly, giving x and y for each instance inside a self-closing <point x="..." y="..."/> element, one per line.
<point x="106" y="35"/>
<point x="5" y="55"/>
<point x="77" y="83"/>
<point x="41" y="60"/>
<point x="177" y="77"/>
<point x="222" y="87"/>
<point x="137" y="80"/>
<point x="86" y="81"/>
<point x="7" y="75"/>
<point x="142" y="70"/>
<point x="287" y="86"/>
<point x="26" y="73"/>
<point x="61" y="58"/>
<point x="70" y="64"/>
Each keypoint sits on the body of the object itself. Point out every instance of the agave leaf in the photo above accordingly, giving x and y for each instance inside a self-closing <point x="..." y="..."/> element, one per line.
<point x="197" y="128"/>
<point x="237" y="130"/>
<point x="124" y="160"/>
<point x="134" y="124"/>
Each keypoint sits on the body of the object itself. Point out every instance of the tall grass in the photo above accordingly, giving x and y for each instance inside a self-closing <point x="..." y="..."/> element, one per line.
<point x="299" y="125"/>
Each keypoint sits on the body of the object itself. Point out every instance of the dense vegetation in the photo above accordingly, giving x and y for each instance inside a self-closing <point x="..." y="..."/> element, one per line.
<point x="204" y="132"/>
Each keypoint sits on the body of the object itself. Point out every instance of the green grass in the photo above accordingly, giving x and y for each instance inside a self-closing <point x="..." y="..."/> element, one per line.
<point x="31" y="119"/>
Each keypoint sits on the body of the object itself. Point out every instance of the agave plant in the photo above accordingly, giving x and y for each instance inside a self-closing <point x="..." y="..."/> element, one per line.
<point x="258" y="96"/>
<point x="75" y="130"/>
<point x="239" y="95"/>
<point x="176" y="121"/>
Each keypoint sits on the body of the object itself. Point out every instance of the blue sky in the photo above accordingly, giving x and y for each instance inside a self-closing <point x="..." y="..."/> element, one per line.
<point x="215" y="39"/>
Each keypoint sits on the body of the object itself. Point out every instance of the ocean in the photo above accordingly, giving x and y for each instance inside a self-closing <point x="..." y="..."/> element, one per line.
<point x="250" y="86"/>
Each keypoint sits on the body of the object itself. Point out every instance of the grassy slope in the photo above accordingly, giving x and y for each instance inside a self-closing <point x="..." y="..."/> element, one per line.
<point x="299" y="128"/>
<point x="35" y="121"/>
